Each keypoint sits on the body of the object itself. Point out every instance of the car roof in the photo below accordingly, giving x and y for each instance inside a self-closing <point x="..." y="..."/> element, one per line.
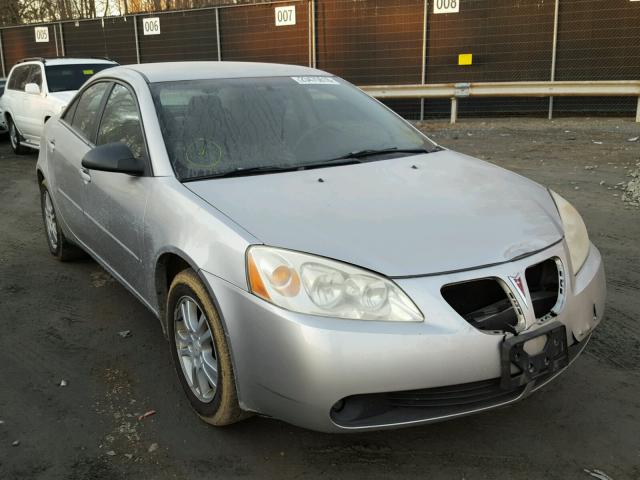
<point x="176" y="71"/>
<point x="67" y="61"/>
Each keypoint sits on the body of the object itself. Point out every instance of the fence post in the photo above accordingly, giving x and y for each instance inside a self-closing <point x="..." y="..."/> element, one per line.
<point x="55" y="39"/>
<point x="454" y="109"/>
<point x="218" y="34"/>
<point x="553" y="53"/>
<point x="135" y="32"/>
<point x="62" y="49"/>
<point x="424" y="54"/>
<point x="312" y="34"/>
<point x="4" y="73"/>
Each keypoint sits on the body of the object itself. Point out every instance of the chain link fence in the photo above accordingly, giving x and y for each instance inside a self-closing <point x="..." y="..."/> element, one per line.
<point x="381" y="42"/>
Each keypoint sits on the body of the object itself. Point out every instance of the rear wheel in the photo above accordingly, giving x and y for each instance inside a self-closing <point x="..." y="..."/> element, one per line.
<point x="15" y="138"/>
<point x="59" y="246"/>
<point x="200" y="351"/>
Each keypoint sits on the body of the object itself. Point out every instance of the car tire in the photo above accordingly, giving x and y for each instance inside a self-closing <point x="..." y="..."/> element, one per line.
<point x="197" y="341"/>
<point x="59" y="246"/>
<point x="15" y="138"/>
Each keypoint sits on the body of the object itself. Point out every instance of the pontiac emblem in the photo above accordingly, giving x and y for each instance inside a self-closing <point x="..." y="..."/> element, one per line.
<point x="519" y="287"/>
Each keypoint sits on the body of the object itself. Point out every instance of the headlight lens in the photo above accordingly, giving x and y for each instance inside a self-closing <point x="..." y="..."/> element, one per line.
<point x="318" y="286"/>
<point x="575" y="232"/>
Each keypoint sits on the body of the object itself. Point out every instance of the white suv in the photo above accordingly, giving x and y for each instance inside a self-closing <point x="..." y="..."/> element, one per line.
<point x="37" y="89"/>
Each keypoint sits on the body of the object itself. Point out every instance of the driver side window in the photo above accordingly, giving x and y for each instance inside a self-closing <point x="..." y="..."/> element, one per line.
<point x="121" y="122"/>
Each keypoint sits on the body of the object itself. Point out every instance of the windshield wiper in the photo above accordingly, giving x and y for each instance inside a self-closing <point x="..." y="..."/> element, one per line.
<point x="379" y="151"/>
<point x="243" y="172"/>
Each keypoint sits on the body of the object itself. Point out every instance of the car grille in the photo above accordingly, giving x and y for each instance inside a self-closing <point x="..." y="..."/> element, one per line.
<point x="452" y="396"/>
<point x="490" y="304"/>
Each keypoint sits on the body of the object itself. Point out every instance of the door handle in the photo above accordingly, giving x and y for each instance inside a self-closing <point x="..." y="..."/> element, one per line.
<point x="52" y="143"/>
<point x="84" y="173"/>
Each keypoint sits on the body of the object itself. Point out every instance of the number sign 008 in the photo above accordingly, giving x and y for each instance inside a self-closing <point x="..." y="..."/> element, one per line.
<point x="446" y="6"/>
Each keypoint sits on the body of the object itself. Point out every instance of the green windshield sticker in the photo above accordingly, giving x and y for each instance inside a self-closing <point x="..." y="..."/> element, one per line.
<point x="87" y="72"/>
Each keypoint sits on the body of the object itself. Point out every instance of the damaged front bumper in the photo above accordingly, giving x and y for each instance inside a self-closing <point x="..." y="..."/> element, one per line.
<point x="344" y="375"/>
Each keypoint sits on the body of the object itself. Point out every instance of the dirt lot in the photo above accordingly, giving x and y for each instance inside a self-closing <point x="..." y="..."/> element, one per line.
<point x="61" y="321"/>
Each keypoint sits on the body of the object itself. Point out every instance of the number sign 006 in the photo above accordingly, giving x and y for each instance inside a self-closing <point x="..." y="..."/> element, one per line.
<point x="151" y="26"/>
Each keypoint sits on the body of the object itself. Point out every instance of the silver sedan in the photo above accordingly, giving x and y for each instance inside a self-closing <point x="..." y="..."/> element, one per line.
<point x="310" y="255"/>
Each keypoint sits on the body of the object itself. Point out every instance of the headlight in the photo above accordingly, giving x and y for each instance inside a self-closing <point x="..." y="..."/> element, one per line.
<point x="318" y="286"/>
<point x="575" y="232"/>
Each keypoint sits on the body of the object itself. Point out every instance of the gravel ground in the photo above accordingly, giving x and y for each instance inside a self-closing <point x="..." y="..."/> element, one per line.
<point x="62" y="322"/>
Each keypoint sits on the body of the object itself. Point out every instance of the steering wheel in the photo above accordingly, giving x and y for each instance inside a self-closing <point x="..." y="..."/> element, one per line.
<point x="314" y="131"/>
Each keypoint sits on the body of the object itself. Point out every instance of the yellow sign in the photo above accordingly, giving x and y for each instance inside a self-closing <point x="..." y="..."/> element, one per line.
<point x="87" y="72"/>
<point x="465" y="59"/>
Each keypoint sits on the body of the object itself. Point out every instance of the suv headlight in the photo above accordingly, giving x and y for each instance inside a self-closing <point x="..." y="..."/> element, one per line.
<point x="315" y="285"/>
<point x="575" y="232"/>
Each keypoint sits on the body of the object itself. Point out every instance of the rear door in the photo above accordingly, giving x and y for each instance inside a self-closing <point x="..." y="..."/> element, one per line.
<point x="67" y="143"/>
<point x="15" y="94"/>
<point x="115" y="203"/>
<point x="33" y="107"/>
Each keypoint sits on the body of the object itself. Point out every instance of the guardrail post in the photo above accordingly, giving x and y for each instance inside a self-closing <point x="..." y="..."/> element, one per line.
<point x="454" y="109"/>
<point x="638" y="111"/>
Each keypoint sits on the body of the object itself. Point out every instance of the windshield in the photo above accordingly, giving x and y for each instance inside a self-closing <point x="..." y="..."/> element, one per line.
<point x="62" y="78"/>
<point x="213" y="127"/>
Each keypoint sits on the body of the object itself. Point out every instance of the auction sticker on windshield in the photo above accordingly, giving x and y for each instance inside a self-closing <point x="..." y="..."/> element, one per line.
<point x="315" y="80"/>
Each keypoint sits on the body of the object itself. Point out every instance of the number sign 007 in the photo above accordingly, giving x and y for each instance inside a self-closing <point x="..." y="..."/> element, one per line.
<point x="285" y="15"/>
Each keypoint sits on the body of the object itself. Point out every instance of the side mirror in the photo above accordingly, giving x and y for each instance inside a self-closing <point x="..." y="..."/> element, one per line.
<point x="32" y="89"/>
<point x="113" y="157"/>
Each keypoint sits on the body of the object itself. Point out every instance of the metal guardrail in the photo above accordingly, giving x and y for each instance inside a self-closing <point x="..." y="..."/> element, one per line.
<point x="455" y="91"/>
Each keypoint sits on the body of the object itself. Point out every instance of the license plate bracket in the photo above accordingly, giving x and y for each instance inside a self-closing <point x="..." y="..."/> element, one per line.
<point x="553" y="357"/>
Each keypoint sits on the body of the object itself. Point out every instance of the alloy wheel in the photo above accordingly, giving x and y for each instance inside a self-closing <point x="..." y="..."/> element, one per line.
<point x="195" y="348"/>
<point x="13" y="136"/>
<point x="50" y="221"/>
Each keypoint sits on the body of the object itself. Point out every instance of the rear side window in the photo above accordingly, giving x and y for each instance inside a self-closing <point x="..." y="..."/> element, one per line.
<point x="85" y="119"/>
<point x="35" y="75"/>
<point x="19" y="78"/>
<point x="121" y="122"/>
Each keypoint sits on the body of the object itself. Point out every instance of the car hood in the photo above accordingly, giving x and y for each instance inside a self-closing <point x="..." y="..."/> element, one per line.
<point x="63" y="97"/>
<point x="409" y="216"/>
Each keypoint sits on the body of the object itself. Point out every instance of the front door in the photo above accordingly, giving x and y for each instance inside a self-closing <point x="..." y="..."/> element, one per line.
<point x="115" y="203"/>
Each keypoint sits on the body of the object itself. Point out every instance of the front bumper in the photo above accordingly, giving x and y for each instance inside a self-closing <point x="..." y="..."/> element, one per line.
<point x="296" y="367"/>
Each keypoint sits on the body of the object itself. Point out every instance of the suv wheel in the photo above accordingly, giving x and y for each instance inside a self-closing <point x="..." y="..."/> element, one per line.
<point x="15" y="138"/>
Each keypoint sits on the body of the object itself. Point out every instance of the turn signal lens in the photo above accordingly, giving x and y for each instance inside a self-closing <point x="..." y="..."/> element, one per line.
<point x="255" y="282"/>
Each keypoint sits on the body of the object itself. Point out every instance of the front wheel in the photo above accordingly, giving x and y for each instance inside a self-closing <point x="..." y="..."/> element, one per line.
<point x="15" y="138"/>
<point x="200" y="352"/>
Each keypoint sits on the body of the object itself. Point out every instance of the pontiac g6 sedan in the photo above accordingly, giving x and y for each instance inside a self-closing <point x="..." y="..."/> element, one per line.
<point x="310" y="255"/>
